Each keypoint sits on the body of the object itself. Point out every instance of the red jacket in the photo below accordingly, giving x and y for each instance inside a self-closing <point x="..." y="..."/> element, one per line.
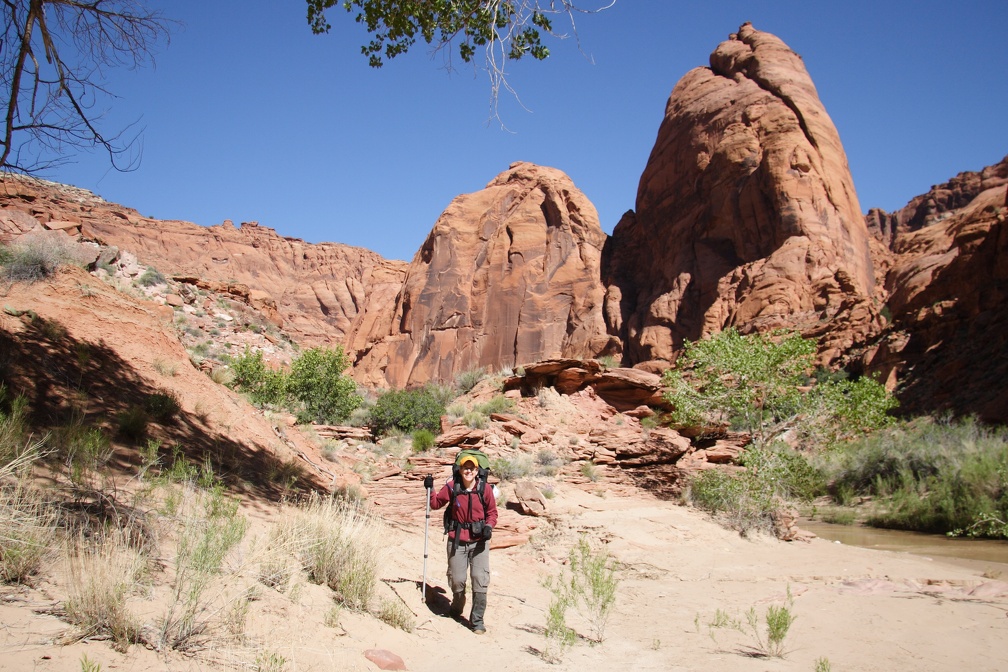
<point x="467" y="507"/>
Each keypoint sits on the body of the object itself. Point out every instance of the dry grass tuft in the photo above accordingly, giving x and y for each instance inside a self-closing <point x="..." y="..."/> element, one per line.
<point x="101" y="576"/>
<point x="338" y="544"/>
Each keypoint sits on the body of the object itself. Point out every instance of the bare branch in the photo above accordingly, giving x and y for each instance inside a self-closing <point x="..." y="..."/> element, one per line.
<point x="53" y="104"/>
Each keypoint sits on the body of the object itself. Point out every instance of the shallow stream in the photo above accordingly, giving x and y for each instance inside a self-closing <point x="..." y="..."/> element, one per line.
<point x="985" y="555"/>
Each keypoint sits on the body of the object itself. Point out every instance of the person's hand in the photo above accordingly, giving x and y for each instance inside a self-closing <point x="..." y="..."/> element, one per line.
<point x="487" y="532"/>
<point x="428" y="482"/>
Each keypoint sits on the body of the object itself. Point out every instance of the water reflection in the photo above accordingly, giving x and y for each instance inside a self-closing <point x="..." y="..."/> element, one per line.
<point x="974" y="552"/>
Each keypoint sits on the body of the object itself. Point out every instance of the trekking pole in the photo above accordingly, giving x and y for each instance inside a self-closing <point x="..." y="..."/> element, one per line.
<point x="423" y="589"/>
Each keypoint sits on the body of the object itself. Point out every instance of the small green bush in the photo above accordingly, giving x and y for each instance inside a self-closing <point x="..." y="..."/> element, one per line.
<point x="423" y="440"/>
<point x="498" y="404"/>
<point x="318" y="387"/>
<point x="408" y="410"/>
<point x="163" y="406"/>
<point x="151" y="277"/>
<point x="467" y="380"/>
<point x="132" y="423"/>
<point x="264" y="385"/>
<point x="746" y="501"/>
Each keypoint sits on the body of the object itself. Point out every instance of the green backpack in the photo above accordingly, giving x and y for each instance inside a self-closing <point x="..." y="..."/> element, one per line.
<point x="482" y="472"/>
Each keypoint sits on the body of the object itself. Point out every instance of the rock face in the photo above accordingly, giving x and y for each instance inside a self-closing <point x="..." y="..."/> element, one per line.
<point x="508" y="275"/>
<point x="315" y="292"/>
<point x="936" y="204"/>
<point x="946" y="291"/>
<point x="746" y="212"/>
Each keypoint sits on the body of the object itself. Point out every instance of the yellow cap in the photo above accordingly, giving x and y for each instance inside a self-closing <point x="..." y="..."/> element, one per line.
<point x="469" y="458"/>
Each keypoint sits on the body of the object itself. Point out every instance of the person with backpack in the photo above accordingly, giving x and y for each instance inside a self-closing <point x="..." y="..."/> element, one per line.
<point x="469" y="523"/>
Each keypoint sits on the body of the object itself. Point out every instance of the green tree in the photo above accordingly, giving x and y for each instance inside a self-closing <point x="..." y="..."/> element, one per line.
<point x="761" y="382"/>
<point x="408" y="410"/>
<point x="53" y="54"/>
<point x="320" y="390"/>
<point x="504" y="30"/>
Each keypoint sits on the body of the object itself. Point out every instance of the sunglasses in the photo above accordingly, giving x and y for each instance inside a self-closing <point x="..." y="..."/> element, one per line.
<point x="468" y="467"/>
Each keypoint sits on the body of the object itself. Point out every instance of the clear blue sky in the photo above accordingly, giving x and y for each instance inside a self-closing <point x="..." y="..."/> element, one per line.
<point x="249" y="117"/>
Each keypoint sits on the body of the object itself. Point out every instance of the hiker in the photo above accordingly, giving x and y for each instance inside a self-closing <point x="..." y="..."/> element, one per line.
<point x="469" y="523"/>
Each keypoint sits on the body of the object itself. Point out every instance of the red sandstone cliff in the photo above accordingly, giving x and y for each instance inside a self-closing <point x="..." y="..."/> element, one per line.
<point x="508" y="275"/>
<point x="746" y="216"/>
<point x="746" y="212"/>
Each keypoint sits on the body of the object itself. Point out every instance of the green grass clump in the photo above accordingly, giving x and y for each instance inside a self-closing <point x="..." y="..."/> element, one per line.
<point x="151" y="277"/>
<point x="27" y="529"/>
<point x="928" y="476"/>
<point x="746" y="501"/>
<point x="423" y="440"/>
<point x="163" y="406"/>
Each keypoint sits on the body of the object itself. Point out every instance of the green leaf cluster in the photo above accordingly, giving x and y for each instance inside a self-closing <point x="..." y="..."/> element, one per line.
<point x="315" y="389"/>
<point x="408" y="410"/>
<point x="396" y="25"/>
<point x="761" y="384"/>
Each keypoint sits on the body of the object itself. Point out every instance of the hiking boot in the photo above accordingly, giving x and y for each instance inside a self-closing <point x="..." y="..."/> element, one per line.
<point x="457" y="605"/>
<point x="476" y="615"/>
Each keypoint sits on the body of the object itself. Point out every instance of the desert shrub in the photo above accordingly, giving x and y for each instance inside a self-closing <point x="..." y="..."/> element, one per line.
<point x="14" y="429"/>
<point x="548" y="462"/>
<point x="165" y="368"/>
<point x="151" y="277"/>
<point x="407" y="410"/>
<point x="929" y="476"/>
<point x="338" y="544"/>
<point x="590" y="587"/>
<point x="132" y="423"/>
<point x="768" y="640"/>
<point x="746" y="501"/>
<point x="475" y="419"/>
<point x="163" y="405"/>
<point x="318" y="387"/>
<point x="86" y="451"/>
<point x="423" y="440"/>
<point x="34" y="257"/>
<point x="498" y="404"/>
<point x="760" y="383"/>
<point x="590" y="471"/>
<point x="608" y="361"/>
<point x="252" y="376"/>
<point x="512" y="469"/>
<point x="27" y="529"/>
<point x="101" y="576"/>
<point x="210" y="527"/>
<point x="469" y="379"/>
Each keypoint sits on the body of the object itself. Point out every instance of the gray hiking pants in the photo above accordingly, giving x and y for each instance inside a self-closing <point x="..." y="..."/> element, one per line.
<point x="474" y="558"/>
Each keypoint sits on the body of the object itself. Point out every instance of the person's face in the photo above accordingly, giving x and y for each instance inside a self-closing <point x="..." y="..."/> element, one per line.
<point x="468" y="471"/>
